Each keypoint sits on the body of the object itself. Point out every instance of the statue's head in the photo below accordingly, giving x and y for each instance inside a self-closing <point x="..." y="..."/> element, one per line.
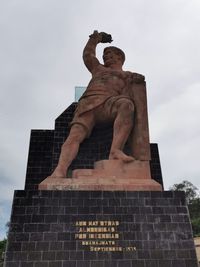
<point x="113" y="51"/>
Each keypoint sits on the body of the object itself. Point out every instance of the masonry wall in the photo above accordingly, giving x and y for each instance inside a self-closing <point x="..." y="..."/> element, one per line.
<point x="154" y="229"/>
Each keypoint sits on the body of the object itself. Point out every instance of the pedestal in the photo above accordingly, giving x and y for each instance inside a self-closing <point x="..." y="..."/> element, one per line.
<point x="107" y="175"/>
<point x="100" y="229"/>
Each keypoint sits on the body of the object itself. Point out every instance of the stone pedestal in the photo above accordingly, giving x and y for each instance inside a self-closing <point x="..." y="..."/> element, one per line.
<point x="100" y="229"/>
<point x="106" y="216"/>
<point x="107" y="175"/>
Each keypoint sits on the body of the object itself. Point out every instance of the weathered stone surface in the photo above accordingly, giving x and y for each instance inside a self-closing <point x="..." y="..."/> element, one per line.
<point x="112" y="96"/>
<point x="45" y="148"/>
<point x="43" y="227"/>
<point x="99" y="183"/>
<point x="107" y="175"/>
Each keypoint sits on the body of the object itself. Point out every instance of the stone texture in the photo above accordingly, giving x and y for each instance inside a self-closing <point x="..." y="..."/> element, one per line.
<point x="42" y="229"/>
<point x="107" y="175"/>
<point x="45" y="148"/>
<point x="112" y="96"/>
<point x="100" y="183"/>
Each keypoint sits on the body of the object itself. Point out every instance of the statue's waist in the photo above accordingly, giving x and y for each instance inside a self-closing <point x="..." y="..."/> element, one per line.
<point x="89" y="102"/>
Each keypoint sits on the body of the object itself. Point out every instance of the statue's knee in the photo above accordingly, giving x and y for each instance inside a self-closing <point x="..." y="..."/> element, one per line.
<point x="126" y="106"/>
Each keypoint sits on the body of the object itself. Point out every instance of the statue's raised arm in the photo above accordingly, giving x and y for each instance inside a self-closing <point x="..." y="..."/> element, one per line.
<point x="89" y="52"/>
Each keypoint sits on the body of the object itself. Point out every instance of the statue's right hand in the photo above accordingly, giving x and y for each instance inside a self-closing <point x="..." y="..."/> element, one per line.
<point x="105" y="37"/>
<point x="101" y="37"/>
<point x="96" y="35"/>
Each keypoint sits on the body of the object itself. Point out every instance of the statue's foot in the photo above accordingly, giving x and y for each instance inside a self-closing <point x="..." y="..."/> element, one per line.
<point x="118" y="154"/>
<point x="58" y="173"/>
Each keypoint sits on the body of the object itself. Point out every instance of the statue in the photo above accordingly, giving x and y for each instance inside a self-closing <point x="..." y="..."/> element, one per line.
<point x="108" y="98"/>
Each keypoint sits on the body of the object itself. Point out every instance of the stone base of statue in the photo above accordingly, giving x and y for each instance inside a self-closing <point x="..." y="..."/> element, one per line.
<point x="100" y="228"/>
<point x="96" y="228"/>
<point x="107" y="175"/>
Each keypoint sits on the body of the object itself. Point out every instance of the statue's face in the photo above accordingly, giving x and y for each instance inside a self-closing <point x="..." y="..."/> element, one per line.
<point x="111" y="58"/>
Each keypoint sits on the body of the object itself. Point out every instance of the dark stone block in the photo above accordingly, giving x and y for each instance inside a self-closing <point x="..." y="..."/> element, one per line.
<point x="35" y="256"/>
<point x="110" y="264"/>
<point x="43" y="227"/>
<point x="45" y="210"/>
<point x="31" y="227"/>
<point x="28" y="246"/>
<point x="69" y="264"/>
<point x="16" y="227"/>
<point x="41" y="264"/>
<point x="144" y="254"/>
<point x="88" y="255"/>
<point x="55" y="264"/>
<point x="68" y="245"/>
<point x="14" y="246"/>
<point x="152" y="263"/>
<point x="14" y="264"/>
<point x="183" y="254"/>
<point x="62" y="255"/>
<point x="36" y="237"/>
<point x="138" y="263"/>
<point x="191" y="263"/>
<point x="76" y="255"/>
<point x="51" y="218"/>
<point x="21" y="236"/>
<point x="49" y="256"/>
<point x="146" y="210"/>
<point x="82" y="264"/>
<point x="50" y="236"/>
<point x="9" y="256"/>
<point x="157" y="254"/>
<point x="180" y="263"/>
<point x="20" y="256"/>
<point x="124" y="263"/>
<point x="166" y="263"/>
<point x="165" y="218"/>
<point x="38" y="218"/>
<point x="28" y="264"/>
<point x="97" y="264"/>
<point x="42" y="246"/>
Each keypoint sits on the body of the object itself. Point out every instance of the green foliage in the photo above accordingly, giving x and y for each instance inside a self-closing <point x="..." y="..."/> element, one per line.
<point x="193" y="201"/>
<point x="196" y="226"/>
<point x="191" y="191"/>
<point x="194" y="208"/>
<point x="2" y="250"/>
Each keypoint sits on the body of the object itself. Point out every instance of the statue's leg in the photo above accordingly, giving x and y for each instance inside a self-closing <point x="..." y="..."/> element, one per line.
<point x="122" y="127"/>
<point x="69" y="150"/>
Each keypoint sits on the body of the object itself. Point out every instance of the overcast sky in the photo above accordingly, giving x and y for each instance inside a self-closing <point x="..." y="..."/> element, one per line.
<point x="41" y="45"/>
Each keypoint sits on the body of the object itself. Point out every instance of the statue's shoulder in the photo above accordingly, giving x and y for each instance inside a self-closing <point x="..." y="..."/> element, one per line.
<point x="138" y="75"/>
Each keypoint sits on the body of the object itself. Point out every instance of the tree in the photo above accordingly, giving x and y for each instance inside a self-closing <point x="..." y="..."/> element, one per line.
<point x="191" y="191"/>
<point x="2" y="250"/>
<point x="3" y="245"/>
<point x="193" y="201"/>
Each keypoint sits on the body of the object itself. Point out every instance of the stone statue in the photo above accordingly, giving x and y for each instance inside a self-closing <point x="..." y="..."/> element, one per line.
<point x="108" y="98"/>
